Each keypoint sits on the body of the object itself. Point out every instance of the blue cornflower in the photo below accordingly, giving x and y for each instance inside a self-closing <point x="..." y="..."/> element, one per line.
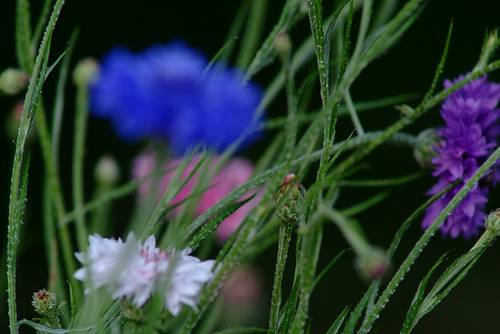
<point x="467" y="140"/>
<point x="166" y="92"/>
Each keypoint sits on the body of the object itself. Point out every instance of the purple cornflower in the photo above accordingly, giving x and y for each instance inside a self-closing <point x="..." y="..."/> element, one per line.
<point x="467" y="140"/>
<point x="167" y="92"/>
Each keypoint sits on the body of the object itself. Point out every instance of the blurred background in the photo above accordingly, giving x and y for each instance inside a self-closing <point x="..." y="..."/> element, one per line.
<point x="409" y="67"/>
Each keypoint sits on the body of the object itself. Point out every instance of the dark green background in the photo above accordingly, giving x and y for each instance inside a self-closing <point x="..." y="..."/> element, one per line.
<point x="472" y="307"/>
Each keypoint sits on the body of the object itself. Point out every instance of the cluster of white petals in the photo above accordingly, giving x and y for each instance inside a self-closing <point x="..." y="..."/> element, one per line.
<point x="135" y="271"/>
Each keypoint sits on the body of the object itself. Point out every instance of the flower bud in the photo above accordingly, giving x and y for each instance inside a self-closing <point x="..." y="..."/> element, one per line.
<point x="303" y="7"/>
<point x="493" y="222"/>
<point x="288" y="203"/>
<point x="372" y="264"/>
<point x="13" y="81"/>
<point x="45" y="303"/>
<point x="424" y="150"/>
<point x="107" y="171"/>
<point x="283" y="45"/>
<point x="85" y="72"/>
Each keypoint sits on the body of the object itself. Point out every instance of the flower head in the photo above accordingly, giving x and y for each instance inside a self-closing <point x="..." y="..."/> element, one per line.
<point x="469" y="137"/>
<point x="232" y="175"/>
<point x="135" y="271"/>
<point x="166" y="92"/>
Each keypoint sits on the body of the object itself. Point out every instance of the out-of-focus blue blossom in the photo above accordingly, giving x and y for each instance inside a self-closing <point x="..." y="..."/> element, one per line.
<point x="467" y="140"/>
<point x="165" y="92"/>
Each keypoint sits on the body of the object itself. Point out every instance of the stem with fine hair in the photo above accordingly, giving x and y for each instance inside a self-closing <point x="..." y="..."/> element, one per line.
<point x="285" y="234"/>
<point x="422" y="242"/>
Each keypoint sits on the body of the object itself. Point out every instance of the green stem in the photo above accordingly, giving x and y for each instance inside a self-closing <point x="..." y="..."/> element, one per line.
<point x="308" y="261"/>
<point x="15" y="205"/>
<point x="423" y="241"/>
<point x="78" y="153"/>
<point x="57" y="196"/>
<point x="353" y="113"/>
<point x="23" y="36"/>
<point x="353" y="237"/>
<point x="412" y="116"/>
<point x="316" y="23"/>
<point x="285" y="234"/>
<point x="291" y="128"/>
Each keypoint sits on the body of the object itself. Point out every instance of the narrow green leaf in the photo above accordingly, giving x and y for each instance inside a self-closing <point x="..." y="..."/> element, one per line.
<point x="235" y="29"/>
<point x="210" y="227"/>
<point x="219" y="54"/>
<point x="288" y="310"/>
<point x="396" y="181"/>
<point x="285" y="233"/>
<point x="335" y="327"/>
<point x="58" y="60"/>
<point x="420" y="210"/>
<point x="440" y="67"/>
<point x="316" y="24"/>
<point x="45" y="329"/>
<point x="306" y="267"/>
<point x="331" y="28"/>
<point x="362" y="305"/>
<point x="253" y="32"/>
<point x="390" y="33"/>
<point x="360" y="207"/>
<point x="170" y="193"/>
<point x="265" y="53"/>
<point x="490" y="45"/>
<point x="347" y="43"/>
<point x="419" y="297"/>
<point x="447" y="276"/>
<point x="327" y="268"/>
<point x="40" y="25"/>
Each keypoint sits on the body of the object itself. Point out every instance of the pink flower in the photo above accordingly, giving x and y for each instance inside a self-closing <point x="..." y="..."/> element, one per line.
<point x="232" y="175"/>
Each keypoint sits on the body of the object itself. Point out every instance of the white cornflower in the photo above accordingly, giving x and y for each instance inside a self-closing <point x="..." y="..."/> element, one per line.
<point x="135" y="271"/>
<point x="187" y="280"/>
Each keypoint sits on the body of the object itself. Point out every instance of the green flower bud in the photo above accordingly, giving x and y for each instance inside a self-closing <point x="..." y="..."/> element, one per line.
<point x="85" y="72"/>
<point x="424" y="151"/>
<point x="288" y="203"/>
<point x="372" y="264"/>
<point x="107" y="171"/>
<point x="303" y="7"/>
<point x="283" y="45"/>
<point x="13" y="81"/>
<point x="45" y="303"/>
<point x="493" y="222"/>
